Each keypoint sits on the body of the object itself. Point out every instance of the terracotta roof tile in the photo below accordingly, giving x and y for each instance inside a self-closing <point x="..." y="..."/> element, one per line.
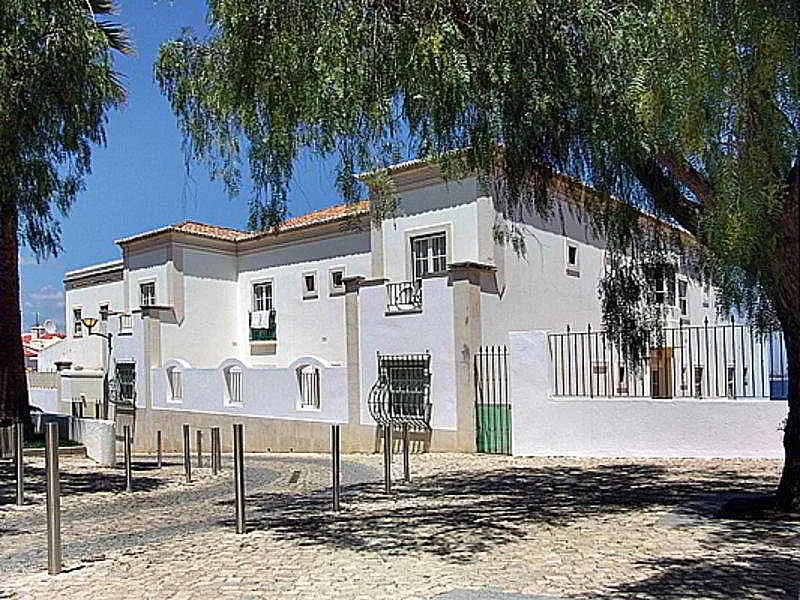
<point x="324" y="215"/>
<point x="222" y="233"/>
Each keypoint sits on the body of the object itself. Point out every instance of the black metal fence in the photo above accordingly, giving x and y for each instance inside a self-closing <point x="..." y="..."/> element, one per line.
<point x="492" y="401"/>
<point x="706" y="361"/>
<point x="404" y="296"/>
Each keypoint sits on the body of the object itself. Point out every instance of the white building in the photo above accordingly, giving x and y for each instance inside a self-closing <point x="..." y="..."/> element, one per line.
<point x="284" y="330"/>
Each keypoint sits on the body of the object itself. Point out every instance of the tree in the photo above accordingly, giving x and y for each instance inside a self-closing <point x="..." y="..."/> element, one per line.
<point x="687" y="109"/>
<point x="58" y="85"/>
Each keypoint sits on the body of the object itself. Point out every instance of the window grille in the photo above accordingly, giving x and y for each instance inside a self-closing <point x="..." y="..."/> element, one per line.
<point x="308" y="380"/>
<point x="262" y="296"/>
<point x="175" y="377"/>
<point x="77" y="325"/>
<point x="147" y="293"/>
<point x="233" y="384"/>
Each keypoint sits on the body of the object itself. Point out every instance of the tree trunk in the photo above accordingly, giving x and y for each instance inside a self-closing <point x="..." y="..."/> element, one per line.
<point x="13" y="382"/>
<point x="786" y="282"/>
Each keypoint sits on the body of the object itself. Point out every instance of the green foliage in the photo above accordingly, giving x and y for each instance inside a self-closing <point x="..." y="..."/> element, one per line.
<point x="58" y="83"/>
<point x="685" y="109"/>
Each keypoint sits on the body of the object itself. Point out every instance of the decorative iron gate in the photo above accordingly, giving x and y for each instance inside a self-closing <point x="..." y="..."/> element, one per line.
<point x="492" y="404"/>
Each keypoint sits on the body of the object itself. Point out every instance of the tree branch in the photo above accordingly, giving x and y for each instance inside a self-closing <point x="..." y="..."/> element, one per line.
<point x="683" y="171"/>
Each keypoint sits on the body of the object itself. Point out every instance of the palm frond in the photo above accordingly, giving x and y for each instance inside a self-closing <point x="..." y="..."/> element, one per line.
<point x="115" y="33"/>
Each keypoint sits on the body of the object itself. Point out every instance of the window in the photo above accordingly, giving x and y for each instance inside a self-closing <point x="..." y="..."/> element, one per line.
<point x="622" y="380"/>
<point x="573" y="265"/>
<point x="730" y="379"/>
<point x="126" y="381"/>
<point x="175" y="378"/>
<point x="262" y="296"/>
<point x="308" y="380"/>
<point x="698" y="381"/>
<point x="662" y="286"/>
<point x="77" y="325"/>
<point x="147" y="293"/>
<point x="103" y="318"/>
<point x="706" y="292"/>
<point x="429" y="254"/>
<point x="309" y="285"/>
<point x="233" y="385"/>
<point x="683" y="301"/>
<point x="337" y="282"/>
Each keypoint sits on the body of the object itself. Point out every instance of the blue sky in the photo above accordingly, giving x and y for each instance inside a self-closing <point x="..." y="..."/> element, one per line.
<point x="139" y="181"/>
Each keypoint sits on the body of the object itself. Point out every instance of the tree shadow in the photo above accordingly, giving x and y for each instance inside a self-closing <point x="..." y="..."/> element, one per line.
<point x="456" y="515"/>
<point x="72" y="482"/>
<point x="764" y="562"/>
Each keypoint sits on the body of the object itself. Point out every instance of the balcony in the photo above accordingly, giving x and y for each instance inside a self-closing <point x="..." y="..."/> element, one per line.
<point x="404" y="297"/>
<point x="262" y="326"/>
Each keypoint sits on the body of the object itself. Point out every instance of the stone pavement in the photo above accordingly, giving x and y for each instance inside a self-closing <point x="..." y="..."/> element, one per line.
<point x="465" y="528"/>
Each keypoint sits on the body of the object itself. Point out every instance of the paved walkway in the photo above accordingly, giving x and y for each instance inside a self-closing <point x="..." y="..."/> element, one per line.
<point x="466" y="528"/>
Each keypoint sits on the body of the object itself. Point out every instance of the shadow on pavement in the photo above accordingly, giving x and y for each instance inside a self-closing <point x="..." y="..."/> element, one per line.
<point x="456" y="515"/>
<point x="72" y="483"/>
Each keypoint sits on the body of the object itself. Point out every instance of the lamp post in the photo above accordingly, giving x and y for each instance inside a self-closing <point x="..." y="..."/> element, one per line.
<point x="90" y="323"/>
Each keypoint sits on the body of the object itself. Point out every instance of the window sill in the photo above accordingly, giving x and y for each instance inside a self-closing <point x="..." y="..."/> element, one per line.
<point x="302" y="408"/>
<point x="174" y="401"/>
<point x="310" y="296"/>
<point x="227" y="404"/>
<point x="573" y="272"/>
<point x="263" y="342"/>
<point x="334" y="293"/>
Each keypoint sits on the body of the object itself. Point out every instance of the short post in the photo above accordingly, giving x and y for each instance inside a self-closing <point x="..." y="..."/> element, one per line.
<point x="19" y="463"/>
<point x="238" y="475"/>
<point x="387" y="458"/>
<point x="126" y="434"/>
<point x="53" y="500"/>
<point x="215" y="450"/>
<point x="335" y="463"/>
<point x="158" y="449"/>
<point x="199" y="448"/>
<point x="187" y="459"/>
<point x="406" y="443"/>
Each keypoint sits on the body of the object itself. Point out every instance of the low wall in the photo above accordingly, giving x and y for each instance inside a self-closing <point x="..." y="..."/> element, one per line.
<point x="688" y="428"/>
<point x="45" y="399"/>
<point x="96" y="435"/>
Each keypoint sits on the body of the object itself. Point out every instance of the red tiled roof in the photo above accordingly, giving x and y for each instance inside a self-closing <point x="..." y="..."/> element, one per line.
<point x="317" y="217"/>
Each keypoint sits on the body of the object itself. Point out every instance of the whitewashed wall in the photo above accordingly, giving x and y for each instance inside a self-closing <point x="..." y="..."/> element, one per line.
<point x="145" y="266"/>
<point x="450" y="207"/>
<point x="315" y="326"/>
<point x="272" y="393"/>
<point x="431" y="330"/>
<point x="544" y="426"/>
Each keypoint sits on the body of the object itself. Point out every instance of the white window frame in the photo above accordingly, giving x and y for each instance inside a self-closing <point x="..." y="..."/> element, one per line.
<point x="572" y="269"/>
<point x="268" y="300"/>
<point x="142" y="284"/>
<point x="682" y="302"/>
<point x="233" y="376"/>
<point x="174" y="384"/>
<point x="307" y="293"/>
<point x="430" y="258"/>
<point x="333" y="289"/>
<point x="77" y="323"/>
<point x="309" y="386"/>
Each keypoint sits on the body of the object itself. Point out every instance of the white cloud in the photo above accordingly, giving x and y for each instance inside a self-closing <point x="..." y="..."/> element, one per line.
<point x="47" y="292"/>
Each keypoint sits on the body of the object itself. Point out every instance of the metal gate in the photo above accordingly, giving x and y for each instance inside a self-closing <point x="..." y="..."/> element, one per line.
<point x="492" y="405"/>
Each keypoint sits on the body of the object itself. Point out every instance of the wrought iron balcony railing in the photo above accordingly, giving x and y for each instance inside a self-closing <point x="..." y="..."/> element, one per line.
<point x="262" y="326"/>
<point x="405" y="296"/>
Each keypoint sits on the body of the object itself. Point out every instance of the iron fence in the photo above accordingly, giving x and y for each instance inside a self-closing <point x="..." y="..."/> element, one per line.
<point x="705" y="361"/>
<point x="404" y="296"/>
<point x="492" y="402"/>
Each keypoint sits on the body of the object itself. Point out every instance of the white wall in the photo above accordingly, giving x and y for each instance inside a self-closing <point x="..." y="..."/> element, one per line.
<point x="313" y="327"/>
<point x="272" y="393"/>
<point x="450" y="207"/>
<point x="543" y="426"/>
<point x="145" y="266"/>
<point x="431" y="330"/>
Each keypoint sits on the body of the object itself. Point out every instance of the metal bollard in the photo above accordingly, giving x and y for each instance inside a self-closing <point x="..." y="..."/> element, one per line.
<point x="126" y="434"/>
<point x="215" y="450"/>
<point x="238" y="475"/>
<point x="187" y="459"/>
<point x="53" y="500"/>
<point x="406" y="444"/>
<point x="199" y="448"/>
<point x="158" y="448"/>
<point x="335" y="463"/>
<point x="387" y="458"/>
<point x="19" y="464"/>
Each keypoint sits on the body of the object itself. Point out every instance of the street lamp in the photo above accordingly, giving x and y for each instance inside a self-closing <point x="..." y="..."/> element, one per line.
<point x="90" y="323"/>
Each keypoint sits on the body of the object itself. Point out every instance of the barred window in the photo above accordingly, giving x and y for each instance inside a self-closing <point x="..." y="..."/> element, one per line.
<point x="233" y="385"/>
<point x="308" y="381"/>
<point x="175" y="378"/>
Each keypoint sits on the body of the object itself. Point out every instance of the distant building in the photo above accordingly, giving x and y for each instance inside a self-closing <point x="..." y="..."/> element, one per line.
<point x="40" y="336"/>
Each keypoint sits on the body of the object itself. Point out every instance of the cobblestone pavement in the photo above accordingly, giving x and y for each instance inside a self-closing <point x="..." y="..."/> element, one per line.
<point x="466" y="527"/>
